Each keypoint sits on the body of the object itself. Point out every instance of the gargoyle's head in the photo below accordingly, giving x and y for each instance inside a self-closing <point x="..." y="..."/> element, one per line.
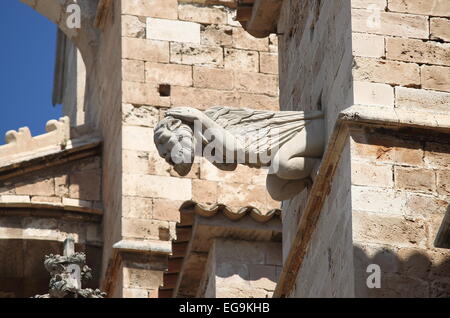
<point x="175" y="143"/>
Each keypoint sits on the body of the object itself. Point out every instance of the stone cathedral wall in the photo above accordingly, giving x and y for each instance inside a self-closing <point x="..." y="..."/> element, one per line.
<point x="184" y="53"/>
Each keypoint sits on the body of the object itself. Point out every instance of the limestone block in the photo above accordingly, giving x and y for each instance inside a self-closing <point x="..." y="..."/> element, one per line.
<point x="135" y="293"/>
<point x="173" y="30"/>
<point x="151" y="8"/>
<point x="257" y="83"/>
<point x="437" y="155"/>
<point x="440" y="29"/>
<point x="145" y="116"/>
<point x="243" y="40"/>
<point x="243" y="60"/>
<point x="216" y="35"/>
<point x="167" y="210"/>
<point x="137" y="138"/>
<point x="15" y="199"/>
<point x="21" y="142"/>
<point x="443" y="182"/>
<point x="365" y="4"/>
<point x="381" y="148"/>
<point x="268" y="63"/>
<point x="77" y="203"/>
<point x="273" y="43"/>
<point x="157" y="186"/>
<point x="192" y="54"/>
<point x="408" y="98"/>
<point x="415" y="179"/>
<point x="85" y="185"/>
<point x="204" y="191"/>
<point x="424" y="205"/>
<point x="417" y="51"/>
<point x="133" y="27"/>
<point x="368" y="174"/>
<point x="143" y="94"/>
<point x="392" y="230"/>
<point x="204" y="15"/>
<point x="240" y="195"/>
<point x="431" y="7"/>
<point x="375" y="94"/>
<point x="144" y="229"/>
<point x="376" y="200"/>
<point x="133" y="71"/>
<point x="139" y="277"/>
<point x="172" y="74"/>
<point x="201" y="98"/>
<point x="205" y="77"/>
<point x="435" y="77"/>
<point x="139" y="208"/>
<point x="388" y="72"/>
<point x="368" y="45"/>
<point x="259" y="101"/>
<point x="40" y="188"/>
<point x="390" y="23"/>
<point x="62" y="186"/>
<point x="145" y="50"/>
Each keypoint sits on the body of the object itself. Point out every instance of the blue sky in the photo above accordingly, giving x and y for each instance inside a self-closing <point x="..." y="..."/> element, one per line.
<point x="27" y="54"/>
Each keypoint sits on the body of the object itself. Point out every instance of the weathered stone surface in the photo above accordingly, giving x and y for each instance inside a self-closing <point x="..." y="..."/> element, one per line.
<point x="436" y="77"/>
<point x="152" y="8"/>
<point x="140" y="208"/>
<point x="145" y="50"/>
<point x="396" y="230"/>
<point x="136" y="277"/>
<point x="172" y="74"/>
<point x="167" y="210"/>
<point x="417" y="51"/>
<point x="192" y="54"/>
<point x="375" y="94"/>
<point x="257" y="83"/>
<point x="388" y="72"/>
<point x="205" y="77"/>
<point x="243" y="60"/>
<point x="431" y="7"/>
<point x="268" y="63"/>
<point x="376" y="200"/>
<point x="437" y="155"/>
<point x="369" y="174"/>
<point x="205" y="15"/>
<point x="173" y="30"/>
<point x="143" y="94"/>
<point x="85" y="185"/>
<point x="368" y="45"/>
<point x="440" y="29"/>
<point x="216" y="35"/>
<point x="157" y="187"/>
<point x="41" y="188"/>
<point x="133" y="70"/>
<point x="415" y="179"/>
<point x="133" y="27"/>
<point x="145" y="116"/>
<point x="443" y="182"/>
<point x="204" y="191"/>
<point x="390" y="23"/>
<point x="420" y="98"/>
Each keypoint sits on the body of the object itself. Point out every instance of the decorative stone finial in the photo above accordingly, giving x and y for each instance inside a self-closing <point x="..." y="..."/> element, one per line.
<point x="289" y="143"/>
<point x="67" y="274"/>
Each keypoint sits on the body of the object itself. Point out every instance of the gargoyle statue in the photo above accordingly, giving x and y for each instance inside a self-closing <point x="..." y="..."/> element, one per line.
<point x="289" y="143"/>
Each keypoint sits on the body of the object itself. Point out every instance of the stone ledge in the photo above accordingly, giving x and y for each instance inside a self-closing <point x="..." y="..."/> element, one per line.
<point x="146" y="246"/>
<point x="357" y="115"/>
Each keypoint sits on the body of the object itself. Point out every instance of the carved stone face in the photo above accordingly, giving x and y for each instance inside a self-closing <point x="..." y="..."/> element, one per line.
<point x="175" y="143"/>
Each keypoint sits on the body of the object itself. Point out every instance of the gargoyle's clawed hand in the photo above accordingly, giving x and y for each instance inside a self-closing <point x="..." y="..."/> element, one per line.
<point x="187" y="114"/>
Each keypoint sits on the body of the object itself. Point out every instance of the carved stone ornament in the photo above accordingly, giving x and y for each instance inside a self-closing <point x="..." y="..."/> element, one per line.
<point x="67" y="274"/>
<point x="288" y="143"/>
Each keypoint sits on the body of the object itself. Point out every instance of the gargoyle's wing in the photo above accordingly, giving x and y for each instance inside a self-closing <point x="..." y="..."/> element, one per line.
<point x="259" y="130"/>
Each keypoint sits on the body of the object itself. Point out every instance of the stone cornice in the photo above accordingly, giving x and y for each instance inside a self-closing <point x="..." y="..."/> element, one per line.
<point x="357" y="115"/>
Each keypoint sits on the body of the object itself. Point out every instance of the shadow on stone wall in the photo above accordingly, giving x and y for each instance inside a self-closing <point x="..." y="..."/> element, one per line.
<point x="405" y="272"/>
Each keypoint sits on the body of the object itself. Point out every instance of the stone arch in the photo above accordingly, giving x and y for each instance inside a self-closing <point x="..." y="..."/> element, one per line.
<point x="84" y="38"/>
